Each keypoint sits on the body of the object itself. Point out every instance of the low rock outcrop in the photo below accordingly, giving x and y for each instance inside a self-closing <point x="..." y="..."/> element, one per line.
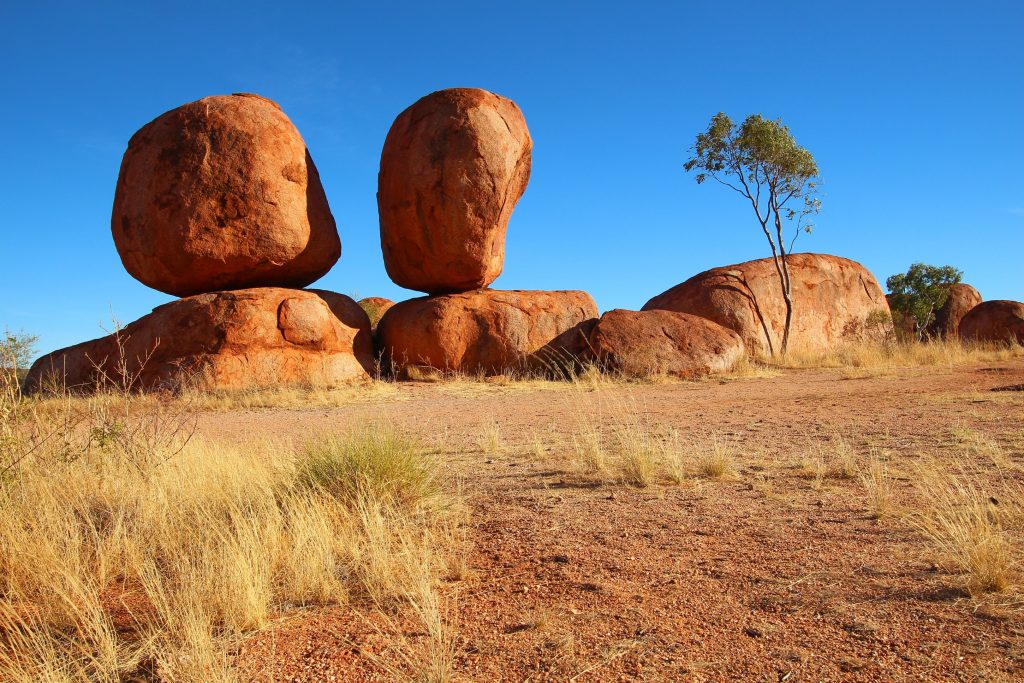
<point x="220" y="194"/>
<point x="375" y="307"/>
<point x="994" y="321"/>
<point x="486" y="331"/>
<point x="453" y="166"/>
<point x="644" y="343"/>
<point x="835" y="299"/>
<point x="250" y="338"/>
<point x="962" y="298"/>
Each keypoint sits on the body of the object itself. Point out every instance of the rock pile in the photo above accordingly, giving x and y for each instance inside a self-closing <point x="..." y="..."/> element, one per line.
<point x="453" y="166"/>
<point x="221" y="194"/>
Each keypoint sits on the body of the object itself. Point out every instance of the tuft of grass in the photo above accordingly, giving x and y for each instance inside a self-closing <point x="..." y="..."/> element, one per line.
<point x="877" y="486"/>
<point x="973" y="525"/>
<point x="377" y="462"/>
<point x="715" y="460"/>
<point x="490" y="441"/>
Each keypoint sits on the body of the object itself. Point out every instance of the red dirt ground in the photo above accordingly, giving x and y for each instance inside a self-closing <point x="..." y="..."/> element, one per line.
<point x="761" y="577"/>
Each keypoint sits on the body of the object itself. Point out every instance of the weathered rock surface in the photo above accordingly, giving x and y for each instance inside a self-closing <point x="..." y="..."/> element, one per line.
<point x="249" y="338"/>
<point x="375" y="307"/>
<point x="453" y="166"/>
<point x="486" y="331"/>
<point x="962" y="298"/>
<point x="220" y="194"/>
<point x="994" y="321"/>
<point x="835" y="299"/>
<point x="644" y="343"/>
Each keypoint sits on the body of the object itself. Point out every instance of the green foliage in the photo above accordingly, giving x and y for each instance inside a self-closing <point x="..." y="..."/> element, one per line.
<point x="921" y="292"/>
<point x="761" y="161"/>
<point x="377" y="462"/>
<point x="17" y="350"/>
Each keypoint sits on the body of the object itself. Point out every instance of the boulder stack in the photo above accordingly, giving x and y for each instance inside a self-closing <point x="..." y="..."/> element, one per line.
<point x="453" y="166"/>
<point x="834" y="299"/>
<point x="222" y="194"/>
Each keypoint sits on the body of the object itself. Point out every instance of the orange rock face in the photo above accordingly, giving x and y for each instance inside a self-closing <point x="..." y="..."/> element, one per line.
<point x="219" y="194"/>
<point x="486" y="331"/>
<point x="962" y="298"/>
<point x="994" y="321"/>
<point x="643" y="343"/>
<point x="250" y="338"/>
<point x="376" y="307"/>
<point x="453" y="166"/>
<point x="834" y="299"/>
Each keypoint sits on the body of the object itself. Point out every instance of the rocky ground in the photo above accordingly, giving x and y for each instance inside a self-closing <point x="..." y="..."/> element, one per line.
<point x="765" y="575"/>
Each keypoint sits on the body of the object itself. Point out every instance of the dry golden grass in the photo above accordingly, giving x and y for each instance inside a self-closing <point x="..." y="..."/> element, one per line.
<point x="109" y="507"/>
<point x="869" y="358"/>
<point x="877" y="485"/>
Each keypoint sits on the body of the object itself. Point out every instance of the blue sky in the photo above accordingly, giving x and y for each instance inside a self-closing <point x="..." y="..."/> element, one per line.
<point x="914" y="110"/>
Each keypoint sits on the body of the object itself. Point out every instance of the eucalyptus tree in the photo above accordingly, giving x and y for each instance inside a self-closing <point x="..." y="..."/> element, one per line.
<point x="761" y="161"/>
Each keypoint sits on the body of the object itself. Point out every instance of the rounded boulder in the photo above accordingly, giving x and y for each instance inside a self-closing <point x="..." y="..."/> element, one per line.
<point x="962" y="298"/>
<point x="489" y="331"/>
<point x="453" y="166"/>
<point x="834" y="300"/>
<point x="652" y="343"/>
<point x="994" y="321"/>
<point x="242" y="339"/>
<point x="221" y="193"/>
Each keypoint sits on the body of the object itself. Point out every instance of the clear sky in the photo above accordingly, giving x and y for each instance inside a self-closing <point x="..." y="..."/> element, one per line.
<point x="914" y="110"/>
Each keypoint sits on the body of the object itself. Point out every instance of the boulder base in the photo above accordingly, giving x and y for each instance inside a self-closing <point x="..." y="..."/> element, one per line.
<point x="962" y="298"/>
<point x="834" y="300"/>
<point x="486" y="331"/>
<point x="250" y="338"/>
<point x="453" y="166"/>
<point x="645" y="343"/>
<point x="994" y="321"/>
<point x="219" y="194"/>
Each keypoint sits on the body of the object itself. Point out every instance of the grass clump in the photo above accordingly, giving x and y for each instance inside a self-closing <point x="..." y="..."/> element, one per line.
<point x="973" y="524"/>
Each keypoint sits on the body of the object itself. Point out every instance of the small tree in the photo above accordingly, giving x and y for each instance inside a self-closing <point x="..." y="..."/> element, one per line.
<point x="762" y="162"/>
<point x="17" y="350"/>
<point x="921" y="292"/>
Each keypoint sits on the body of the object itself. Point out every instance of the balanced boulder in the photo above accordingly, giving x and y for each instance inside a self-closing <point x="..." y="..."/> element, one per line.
<point x="486" y="331"/>
<point x="219" y="194"/>
<point x="250" y="338"/>
<point x="962" y="298"/>
<point x="834" y="300"/>
<point x="453" y="166"/>
<point x="994" y="321"/>
<point x="643" y="343"/>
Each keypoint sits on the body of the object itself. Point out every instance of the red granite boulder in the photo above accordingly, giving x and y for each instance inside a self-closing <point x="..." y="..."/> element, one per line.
<point x="994" y="321"/>
<point x="453" y="166"/>
<point x="487" y="331"/>
<point x="220" y="194"/>
<point x="646" y="343"/>
<point x="250" y="338"/>
<point x="835" y="300"/>
<point x="962" y="298"/>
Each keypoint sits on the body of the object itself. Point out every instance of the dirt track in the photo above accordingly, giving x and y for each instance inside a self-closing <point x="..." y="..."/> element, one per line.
<point x="761" y="577"/>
